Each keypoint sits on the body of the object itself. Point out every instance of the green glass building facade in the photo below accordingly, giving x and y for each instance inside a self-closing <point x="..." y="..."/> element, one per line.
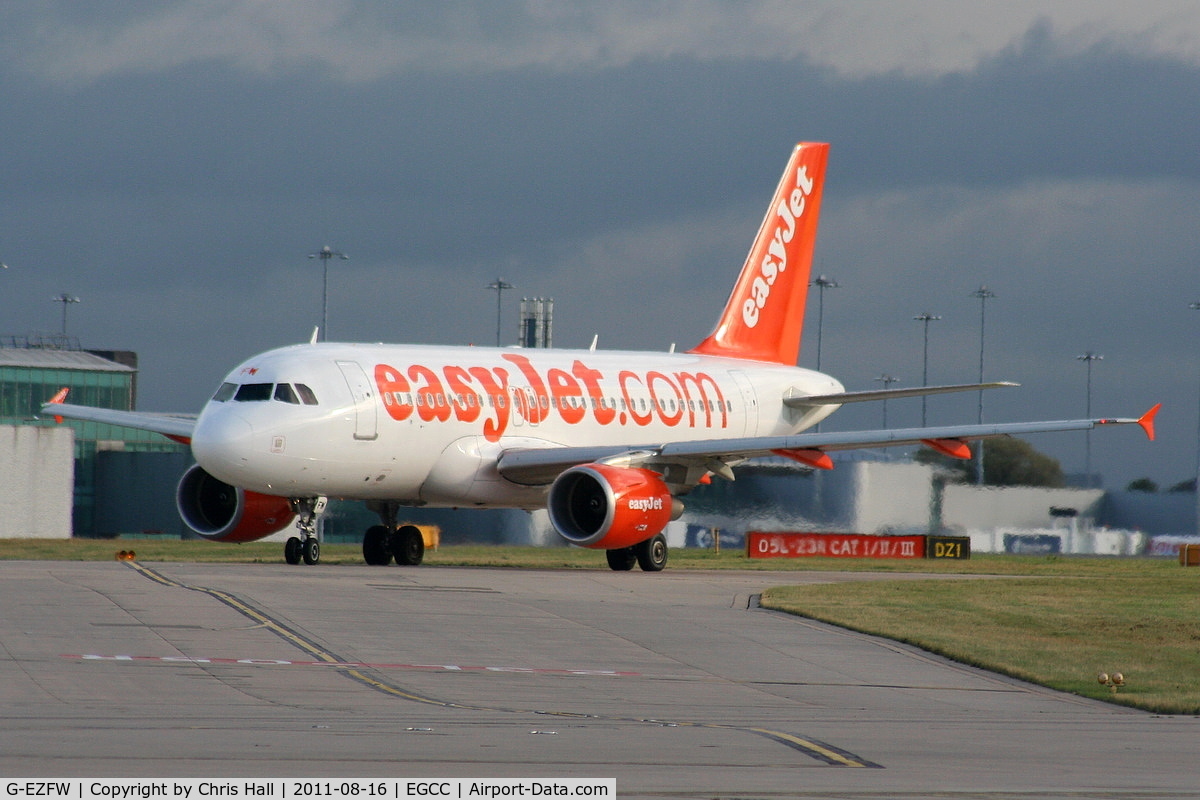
<point x="29" y="376"/>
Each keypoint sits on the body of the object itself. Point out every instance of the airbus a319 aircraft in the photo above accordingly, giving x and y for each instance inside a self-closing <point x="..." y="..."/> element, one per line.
<point x="607" y="442"/>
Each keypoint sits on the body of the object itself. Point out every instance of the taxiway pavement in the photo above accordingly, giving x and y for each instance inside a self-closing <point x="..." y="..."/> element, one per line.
<point x="675" y="684"/>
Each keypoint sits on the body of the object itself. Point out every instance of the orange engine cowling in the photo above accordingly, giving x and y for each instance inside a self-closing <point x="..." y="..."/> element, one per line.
<point x="606" y="507"/>
<point x="225" y="513"/>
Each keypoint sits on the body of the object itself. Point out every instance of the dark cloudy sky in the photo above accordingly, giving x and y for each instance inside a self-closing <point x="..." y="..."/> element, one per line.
<point x="172" y="165"/>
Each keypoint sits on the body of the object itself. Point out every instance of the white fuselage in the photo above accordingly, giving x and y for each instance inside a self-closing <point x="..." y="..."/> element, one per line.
<point x="425" y="424"/>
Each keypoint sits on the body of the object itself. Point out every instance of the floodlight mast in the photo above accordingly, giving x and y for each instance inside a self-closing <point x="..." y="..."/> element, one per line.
<point x="887" y="381"/>
<point x="66" y="300"/>
<point x="1195" y="306"/>
<point x="1088" y="358"/>
<point x="822" y="282"/>
<point x="984" y="294"/>
<point x="499" y="285"/>
<point x="326" y="253"/>
<point x="925" y="318"/>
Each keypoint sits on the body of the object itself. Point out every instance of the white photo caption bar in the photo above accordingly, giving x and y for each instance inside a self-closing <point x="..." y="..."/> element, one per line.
<point x="295" y="789"/>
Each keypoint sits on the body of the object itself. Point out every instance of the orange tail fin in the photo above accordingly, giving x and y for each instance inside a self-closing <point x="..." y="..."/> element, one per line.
<point x="59" y="397"/>
<point x="764" y="315"/>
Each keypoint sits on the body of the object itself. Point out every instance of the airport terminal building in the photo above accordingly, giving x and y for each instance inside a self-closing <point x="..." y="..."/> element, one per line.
<point x="41" y="459"/>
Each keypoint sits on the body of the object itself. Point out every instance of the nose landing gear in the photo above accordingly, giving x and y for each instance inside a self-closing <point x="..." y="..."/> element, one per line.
<point x="307" y="549"/>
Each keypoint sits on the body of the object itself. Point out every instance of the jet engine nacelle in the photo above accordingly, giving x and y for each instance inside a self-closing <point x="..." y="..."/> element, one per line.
<point x="609" y="508"/>
<point x="224" y="513"/>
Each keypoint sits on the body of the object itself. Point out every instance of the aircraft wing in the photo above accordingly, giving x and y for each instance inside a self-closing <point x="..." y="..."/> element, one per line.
<point x="173" y="426"/>
<point x="533" y="466"/>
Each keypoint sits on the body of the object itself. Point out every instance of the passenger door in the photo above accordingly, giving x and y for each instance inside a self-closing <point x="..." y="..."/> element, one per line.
<point x="366" y="414"/>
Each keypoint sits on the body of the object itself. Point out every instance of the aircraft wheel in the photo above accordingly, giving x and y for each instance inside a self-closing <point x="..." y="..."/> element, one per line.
<point x="375" y="546"/>
<point x="312" y="551"/>
<point x="293" y="550"/>
<point x="652" y="553"/>
<point x="408" y="545"/>
<point x="621" y="560"/>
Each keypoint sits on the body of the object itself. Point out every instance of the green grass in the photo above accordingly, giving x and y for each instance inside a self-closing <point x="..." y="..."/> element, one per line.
<point x="199" y="551"/>
<point x="1050" y="620"/>
<point x="1134" y="616"/>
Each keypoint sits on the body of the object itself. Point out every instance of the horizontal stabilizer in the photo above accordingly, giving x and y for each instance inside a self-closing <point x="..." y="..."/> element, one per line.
<point x="808" y="401"/>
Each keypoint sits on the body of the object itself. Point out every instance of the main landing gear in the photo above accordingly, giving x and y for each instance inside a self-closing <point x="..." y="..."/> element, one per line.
<point x="382" y="543"/>
<point x="405" y="544"/>
<point x="650" y="555"/>
<point x="308" y="548"/>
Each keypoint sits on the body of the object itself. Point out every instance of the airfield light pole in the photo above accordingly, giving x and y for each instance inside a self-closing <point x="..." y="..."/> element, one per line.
<point x="984" y="294"/>
<point x="822" y="283"/>
<point x="887" y="381"/>
<point x="499" y="285"/>
<point x="1196" y="307"/>
<point x="1088" y="358"/>
<point x="925" y="318"/>
<point x="66" y="300"/>
<point x="326" y="253"/>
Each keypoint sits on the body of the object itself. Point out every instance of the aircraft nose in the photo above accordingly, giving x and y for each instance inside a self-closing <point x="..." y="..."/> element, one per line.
<point x="222" y="443"/>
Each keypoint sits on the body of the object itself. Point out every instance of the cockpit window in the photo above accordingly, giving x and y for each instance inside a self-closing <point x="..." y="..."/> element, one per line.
<point x="285" y="394"/>
<point x="253" y="392"/>
<point x="261" y="392"/>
